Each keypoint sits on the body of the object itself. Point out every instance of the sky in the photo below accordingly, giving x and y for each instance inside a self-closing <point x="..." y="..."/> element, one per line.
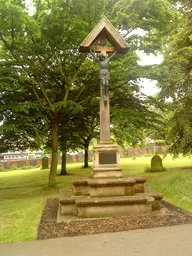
<point x="148" y="86"/>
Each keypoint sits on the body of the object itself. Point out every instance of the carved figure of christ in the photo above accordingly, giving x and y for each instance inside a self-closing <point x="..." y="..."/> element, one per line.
<point x="103" y="62"/>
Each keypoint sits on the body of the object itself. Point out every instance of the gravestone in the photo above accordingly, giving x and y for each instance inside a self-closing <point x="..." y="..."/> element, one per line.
<point x="122" y="152"/>
<point x="80" y="157"/>
<point x="20" y="164"/>
<point x="45" y="163"/>
<point x="33" y="162"/>
<point x="156" y="163"/>
<point x="8" y="165"/>
<point x="90" y="155"/>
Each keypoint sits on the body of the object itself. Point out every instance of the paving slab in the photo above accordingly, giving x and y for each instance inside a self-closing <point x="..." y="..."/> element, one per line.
<point x="165" y="241"/>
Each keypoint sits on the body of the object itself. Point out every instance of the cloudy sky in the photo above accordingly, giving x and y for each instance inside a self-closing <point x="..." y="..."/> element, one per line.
<point x="149" y="86"/>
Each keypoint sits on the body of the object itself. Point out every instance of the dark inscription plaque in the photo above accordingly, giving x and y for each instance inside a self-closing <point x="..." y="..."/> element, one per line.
<point x="107" y="158"/>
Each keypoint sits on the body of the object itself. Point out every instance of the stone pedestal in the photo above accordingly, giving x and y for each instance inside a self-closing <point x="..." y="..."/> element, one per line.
<point x="107" y="193"/>
<point x="106" y="161"/>
<point x="108" y="197"/>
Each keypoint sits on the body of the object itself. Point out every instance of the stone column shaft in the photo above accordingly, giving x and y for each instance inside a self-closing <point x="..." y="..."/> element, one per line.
<point x="104" y="119"/>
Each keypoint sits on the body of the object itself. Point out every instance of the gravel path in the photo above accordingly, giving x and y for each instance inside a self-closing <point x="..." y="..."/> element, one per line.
<point x="49" y="228"/>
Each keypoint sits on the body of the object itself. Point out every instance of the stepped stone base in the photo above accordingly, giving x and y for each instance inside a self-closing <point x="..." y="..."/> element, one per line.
<point x="139" y="184"/>
<point x="106" y="192"/>
<point x="68" y="207"/>
<point x="108" y="187"/>
<point x="109" y="207"/>
<point x="111" y="187"/>
<point x="107" y="172"/>
<point x="80" y="186"/>
<point x="87" y="207"/>
<point x="156" y="205"/>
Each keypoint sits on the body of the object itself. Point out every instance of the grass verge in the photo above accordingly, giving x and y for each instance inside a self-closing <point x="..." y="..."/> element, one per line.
<point x="23" y="192"/>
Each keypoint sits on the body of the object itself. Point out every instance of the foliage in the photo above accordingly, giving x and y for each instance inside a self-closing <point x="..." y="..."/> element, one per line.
<point x="42" y="50"/>
<point x="175" y="81"/>
<point x="40" y="60"/>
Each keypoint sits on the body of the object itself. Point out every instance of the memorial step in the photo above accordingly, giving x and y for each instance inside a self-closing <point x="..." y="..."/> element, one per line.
<point x="67" y="205"/>
<point x="139" y="184"/>
<point x="156" y="205"/>
<point x="107" y="171"/>
<point x="111" y="187"/>
<point x="113" y="206"/>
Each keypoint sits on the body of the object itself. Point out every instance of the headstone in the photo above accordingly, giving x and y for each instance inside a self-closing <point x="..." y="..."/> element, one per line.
<point x="20" y="164"/>
<point x="8" y="165"/>
<point x="130" y="151"/>
<point x="156" y="163"/>
<point x="33" y="162"/>
<point x="90" y="155"/>
<point x="80" y="156"/>
<point x="45" y="163"/>
<point x="122" y="155"/>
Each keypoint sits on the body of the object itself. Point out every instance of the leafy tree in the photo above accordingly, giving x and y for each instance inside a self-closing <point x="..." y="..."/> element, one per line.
<point x="19" y="113"/>
<point x="42" y="51"/>
<point x="175" y="79"/>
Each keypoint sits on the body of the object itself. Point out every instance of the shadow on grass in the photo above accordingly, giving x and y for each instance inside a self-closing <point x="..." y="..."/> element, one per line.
<point x="187" y="168"/>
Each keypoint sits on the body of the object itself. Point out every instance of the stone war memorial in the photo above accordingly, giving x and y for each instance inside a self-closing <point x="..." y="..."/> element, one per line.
<point x="106" y="192"/>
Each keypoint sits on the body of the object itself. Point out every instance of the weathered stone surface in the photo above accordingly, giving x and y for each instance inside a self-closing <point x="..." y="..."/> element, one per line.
<point x="139" y="183"/>
<point x="80" y="186"/>
<point x="156" y="163"/>
<point x="111" y="182"/>
<point x="111" y="187"/>
<point x="113" y="206"/>
<point x="107" y="172"/>
<point x="67" y="205"/>
<point x="70" y="209"/>
<point x="156" y="205"/>
<point x="45" y="163"/>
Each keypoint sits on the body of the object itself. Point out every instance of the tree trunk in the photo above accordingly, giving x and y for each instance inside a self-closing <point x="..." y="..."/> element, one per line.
<point x="54" y="158"/>
<point x="63" y="164"/>
<point x="86" y="157"/>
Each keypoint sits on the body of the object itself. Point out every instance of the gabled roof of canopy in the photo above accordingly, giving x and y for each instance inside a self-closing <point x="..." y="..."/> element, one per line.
<point x="112" y="35"/>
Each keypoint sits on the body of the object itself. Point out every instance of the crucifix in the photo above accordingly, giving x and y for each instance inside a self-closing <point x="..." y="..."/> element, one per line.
<point x="103" y="43"/>
<point x="104" y="40"/>
<point x="99" y="51"/>
<point x="103" y="61"/>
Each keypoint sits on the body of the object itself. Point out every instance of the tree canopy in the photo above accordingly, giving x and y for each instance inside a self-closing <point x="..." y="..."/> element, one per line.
<point x="175" y="79"/>
<point x="45" y="81"/>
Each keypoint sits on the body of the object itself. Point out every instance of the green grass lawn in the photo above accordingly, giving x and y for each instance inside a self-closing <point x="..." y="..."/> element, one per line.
<point x="24" y="192"/>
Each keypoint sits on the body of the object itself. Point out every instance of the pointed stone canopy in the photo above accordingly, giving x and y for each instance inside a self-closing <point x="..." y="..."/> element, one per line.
<point x="103" y="31"/>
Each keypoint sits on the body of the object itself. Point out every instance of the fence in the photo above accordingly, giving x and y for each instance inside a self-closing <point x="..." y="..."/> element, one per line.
<point x="79" y="157"/>
<point x="133" y="152"/>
